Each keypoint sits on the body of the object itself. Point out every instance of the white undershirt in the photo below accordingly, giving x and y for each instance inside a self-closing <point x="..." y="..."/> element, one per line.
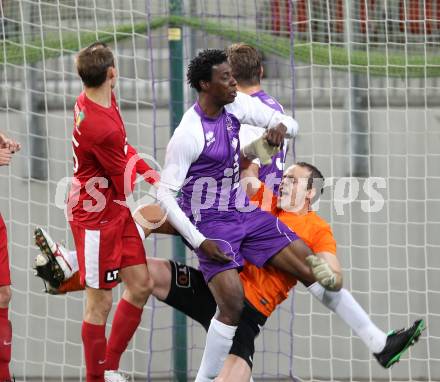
<point x="186" y="145"/>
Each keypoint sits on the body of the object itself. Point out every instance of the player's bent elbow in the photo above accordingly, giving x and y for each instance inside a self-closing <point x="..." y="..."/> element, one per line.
<point x="138" y="284"/>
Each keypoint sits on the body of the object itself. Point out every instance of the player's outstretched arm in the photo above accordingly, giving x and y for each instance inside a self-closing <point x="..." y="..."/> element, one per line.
<point x="153" y="219"/>
<point x="142" y="168"/>
<point x="251" y="111"/>
<point x="182" y="151"/>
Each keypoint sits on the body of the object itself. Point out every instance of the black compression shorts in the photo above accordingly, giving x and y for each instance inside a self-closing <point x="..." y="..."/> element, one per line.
<point x="190" y="294"/>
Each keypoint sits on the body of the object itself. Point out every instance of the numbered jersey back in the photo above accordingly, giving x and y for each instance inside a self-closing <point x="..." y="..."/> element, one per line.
<point x="99" y="146"/>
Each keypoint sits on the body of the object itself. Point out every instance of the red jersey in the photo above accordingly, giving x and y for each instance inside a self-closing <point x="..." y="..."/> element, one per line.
<point x="99" y="144"/>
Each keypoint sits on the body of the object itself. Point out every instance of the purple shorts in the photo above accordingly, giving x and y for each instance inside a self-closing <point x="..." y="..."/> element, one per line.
<point x="255" y="236"/>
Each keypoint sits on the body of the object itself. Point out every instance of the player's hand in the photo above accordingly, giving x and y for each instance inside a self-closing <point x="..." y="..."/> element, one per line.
<point x="7" y="143"/>
<point x="211" y="249"/>
<point x="3" y="140"/>
<point x="15" y="146"/>
<point x="275" y="136"/>
<point x="261" y="149"/>
<point x="5" y="156"/>
<point x="323" y="272"/>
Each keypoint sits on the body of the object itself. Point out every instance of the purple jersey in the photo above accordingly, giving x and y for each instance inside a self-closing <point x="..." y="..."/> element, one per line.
<point x="268" y="100"/>
<point x="276" y="168"/>
<point x="213" y="180"/>
<point x="202" y="161"/>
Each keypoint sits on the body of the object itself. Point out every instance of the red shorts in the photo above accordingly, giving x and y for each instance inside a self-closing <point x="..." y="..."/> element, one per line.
<point x="103" y="252"/>
<point x="5" y="273"/>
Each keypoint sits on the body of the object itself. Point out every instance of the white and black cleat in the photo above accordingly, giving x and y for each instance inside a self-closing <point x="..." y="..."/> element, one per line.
<point x="50" y="265"/>
<point x="44" y="270"/>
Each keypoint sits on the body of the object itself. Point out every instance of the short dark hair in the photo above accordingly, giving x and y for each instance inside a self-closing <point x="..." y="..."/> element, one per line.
<point x="316" y="180"/>
<point x="245" y="61"/>
<point x="92" y="64"/>
<point x="200" y="67"/>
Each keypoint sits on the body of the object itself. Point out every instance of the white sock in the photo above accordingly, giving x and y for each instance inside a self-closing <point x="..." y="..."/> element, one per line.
<point x="218" y="344"/>
<point x="349" y="310"/>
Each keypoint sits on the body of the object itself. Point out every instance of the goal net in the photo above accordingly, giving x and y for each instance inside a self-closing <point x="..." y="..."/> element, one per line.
<point x="362" y="79"/>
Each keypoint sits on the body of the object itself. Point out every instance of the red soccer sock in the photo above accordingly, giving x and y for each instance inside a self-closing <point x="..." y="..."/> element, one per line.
<point x="94" y="342"/>
<point x="125" y="322"/>
<point x="5" y="344"/>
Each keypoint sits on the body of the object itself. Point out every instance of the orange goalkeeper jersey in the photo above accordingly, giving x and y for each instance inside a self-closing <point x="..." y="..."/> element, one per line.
<point x="265" y="288"/>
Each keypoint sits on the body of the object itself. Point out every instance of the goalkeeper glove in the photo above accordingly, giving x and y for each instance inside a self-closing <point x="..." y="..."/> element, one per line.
<point x="323" y="272"/>
<point x="260" y="149"/>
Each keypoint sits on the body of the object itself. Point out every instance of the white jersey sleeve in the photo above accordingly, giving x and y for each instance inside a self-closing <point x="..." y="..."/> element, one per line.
<point x="184" y="148"/>
<point x="249" y="133"/>
<point x="252" y="111"/>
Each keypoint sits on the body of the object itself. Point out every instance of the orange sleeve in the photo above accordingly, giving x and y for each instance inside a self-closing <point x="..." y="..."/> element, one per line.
<point x="324" y="241"/>
<point x="265" y="199"/>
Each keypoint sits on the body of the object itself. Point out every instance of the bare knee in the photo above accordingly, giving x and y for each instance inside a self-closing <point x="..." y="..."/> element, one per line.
<point x="146" y="288"/>
<point x="138" y="284"/>
<point x="228" y="293"/>
<point x="230" y="311"/>
<point x="137" y="291"/>
<point x="160" y="273"/>
<point x="141" y="290"/>
<point x="5" y="296"/>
